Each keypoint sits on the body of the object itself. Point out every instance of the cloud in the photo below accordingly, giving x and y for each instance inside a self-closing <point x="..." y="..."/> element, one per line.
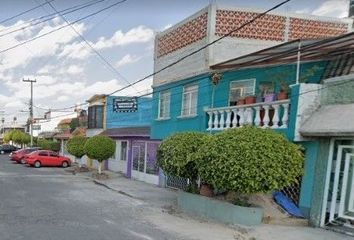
<point x="333" y="8"/>
<point x="74" y="69"/>
<point x="303" y="11"/>
<point x="78" y="50"/>
<point x="127" y="59"/>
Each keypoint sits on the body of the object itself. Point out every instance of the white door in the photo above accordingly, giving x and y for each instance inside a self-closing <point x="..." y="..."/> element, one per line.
<point x="339" y="201"/>
<point x="144" y="166"/>
<point x="119" y="162"/>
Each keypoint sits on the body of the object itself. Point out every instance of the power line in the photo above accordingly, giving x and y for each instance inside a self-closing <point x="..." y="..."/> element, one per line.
<point x="64" y="12"/>
<point x="205" y="46"/>
<point x="90" y="45"/>
<point x="24" y="12"/>
<point x="65" y="26"/>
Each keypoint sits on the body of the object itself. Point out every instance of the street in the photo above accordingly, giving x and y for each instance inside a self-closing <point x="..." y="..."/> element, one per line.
<point x="51" y="203"/>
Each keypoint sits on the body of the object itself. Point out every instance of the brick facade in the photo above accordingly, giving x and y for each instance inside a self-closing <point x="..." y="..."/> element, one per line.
<point x="188" y="33"/>
<point x="269" y="27"/>
<point x="314" y="29"/>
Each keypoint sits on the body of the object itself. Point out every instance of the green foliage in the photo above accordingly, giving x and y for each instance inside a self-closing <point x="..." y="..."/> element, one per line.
<point x="75" y="146"/>
<point x="249" y="160"/>
<point x="174" y="155"/>
<point x="17" y="137"/>
<point x="49" y="145"/>
<point x="74" y="124"/>
<point x="100" y="147"/>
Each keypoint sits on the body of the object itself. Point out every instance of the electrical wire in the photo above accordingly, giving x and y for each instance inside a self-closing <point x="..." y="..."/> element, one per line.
<point x="62" y="27"/>
<point x="74" y="9"/>
<point x="24" y="12"/>
<point x="99" y="55"/>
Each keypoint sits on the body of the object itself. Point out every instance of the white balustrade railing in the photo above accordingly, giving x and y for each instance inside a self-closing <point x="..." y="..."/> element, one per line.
<point x="264" y="114"/>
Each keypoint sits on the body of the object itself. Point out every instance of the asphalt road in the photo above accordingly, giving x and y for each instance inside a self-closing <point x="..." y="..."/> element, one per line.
<point x="51" y="204"/>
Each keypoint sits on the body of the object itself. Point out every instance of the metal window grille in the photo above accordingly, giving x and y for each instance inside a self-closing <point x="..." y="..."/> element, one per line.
<point x="176" y="182"/>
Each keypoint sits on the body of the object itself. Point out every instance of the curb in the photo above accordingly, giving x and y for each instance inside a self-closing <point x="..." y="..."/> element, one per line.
<point x="97" y="182"/>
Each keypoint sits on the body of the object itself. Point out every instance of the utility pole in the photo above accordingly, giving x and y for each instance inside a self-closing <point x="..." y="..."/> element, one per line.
<point x="31" y="107"/>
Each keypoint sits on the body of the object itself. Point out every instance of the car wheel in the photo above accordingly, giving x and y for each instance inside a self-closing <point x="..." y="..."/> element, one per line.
<point x="37" y="164"/>
<point x="23" y="161"/>
<point x="65" y="164"/>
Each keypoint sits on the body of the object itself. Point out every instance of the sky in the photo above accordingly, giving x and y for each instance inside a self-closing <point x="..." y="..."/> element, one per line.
<point x="69" y="72"/>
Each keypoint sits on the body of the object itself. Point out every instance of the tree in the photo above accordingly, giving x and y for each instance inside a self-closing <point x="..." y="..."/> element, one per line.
<point x="249" y="160"/>
<point x="8" y="136"/>
<point x="100" y="148"/>
<point x="74" y="124"/>
<point x="75" y="146"/>
<point x="175" y="154"/>
<point x="17" y="137"/>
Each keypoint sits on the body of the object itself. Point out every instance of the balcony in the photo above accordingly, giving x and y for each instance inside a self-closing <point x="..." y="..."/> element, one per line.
<point x="265" y="114"/>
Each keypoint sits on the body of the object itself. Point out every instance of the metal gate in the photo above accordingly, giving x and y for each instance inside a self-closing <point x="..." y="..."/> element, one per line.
<point x="338" y="207"/>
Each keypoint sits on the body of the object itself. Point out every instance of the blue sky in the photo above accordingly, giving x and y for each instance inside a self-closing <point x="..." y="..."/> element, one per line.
<point x="68" y="72"/>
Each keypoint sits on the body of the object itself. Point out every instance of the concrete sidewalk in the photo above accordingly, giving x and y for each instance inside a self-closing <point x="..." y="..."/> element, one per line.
<point x="165" y="215"/>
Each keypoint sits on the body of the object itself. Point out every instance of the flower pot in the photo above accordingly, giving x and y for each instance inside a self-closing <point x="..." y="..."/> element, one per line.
<point x="282" y="96"/>
<point x="241" y="101"/>
<point x="250" y="99"/>
<point x="206" y="190"/>
<point x="269" y="97"/>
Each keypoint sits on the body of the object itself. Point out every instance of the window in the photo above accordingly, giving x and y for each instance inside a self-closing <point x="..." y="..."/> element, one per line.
<point x="190" y="100"/>
<point x="123" y="151"/>
<point x="164" y="104"/>
<point x="53" y="154"/>
<point x="95" y="117"/>
<point x="240" y="89"/>
<point x="43" y="154"/>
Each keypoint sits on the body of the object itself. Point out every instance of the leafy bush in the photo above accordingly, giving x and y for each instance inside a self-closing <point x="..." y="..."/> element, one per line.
<point x="100" y="148"/>
<point x="49" y="145"/>
<point x="249" y="160"/>
<point x="174" y="155"/>
<point x="17" y="137"/>
<point x="75" y="146"/>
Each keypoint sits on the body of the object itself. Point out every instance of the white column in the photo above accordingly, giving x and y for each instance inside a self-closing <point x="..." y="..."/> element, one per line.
<point x="234" y="120"/>
<point x="241" y="114"/>
<point x="228" y="118"/>
<point x="275" y="119"/>
<point x="249" y="115"/>
<point x="210" y="122"/>
<point x="216" y="120"/>
<point x="257" y="119"/>
<point x="266" y="116"/>
<point x="285" y="117"/>
<point x="222" y="119"/>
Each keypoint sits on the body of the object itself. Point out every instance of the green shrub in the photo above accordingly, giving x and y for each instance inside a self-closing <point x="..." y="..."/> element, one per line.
<point x="100" y="148"/>
<point x="75" y="146"/>
<point x="174" y="155"/>
<point x="48" y="145"/>
<point x="249" y="160"/>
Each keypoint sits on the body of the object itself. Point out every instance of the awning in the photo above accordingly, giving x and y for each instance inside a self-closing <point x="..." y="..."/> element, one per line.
<point x="311" y="50"/>
<point x="330" y="121"/>
<point x="127" y="132"/>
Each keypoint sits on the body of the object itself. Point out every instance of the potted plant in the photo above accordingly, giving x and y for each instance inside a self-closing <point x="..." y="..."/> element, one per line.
<point x="206" y="190"/>
<point x="241" y="101"/>
<point x="284" y="89"/>
<point x="269" y="95"/>
<point x="250" y="99"/>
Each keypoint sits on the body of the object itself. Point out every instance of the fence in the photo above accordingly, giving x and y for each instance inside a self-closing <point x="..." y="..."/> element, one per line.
<point x="293" y="191"/>
<point x="176" y="182"/>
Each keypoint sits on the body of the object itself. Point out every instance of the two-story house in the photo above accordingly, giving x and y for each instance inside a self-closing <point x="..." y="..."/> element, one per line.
<point x="243" y="78"/>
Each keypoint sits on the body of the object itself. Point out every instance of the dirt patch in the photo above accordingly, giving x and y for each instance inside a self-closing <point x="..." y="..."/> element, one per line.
<point x="102" y="176"/>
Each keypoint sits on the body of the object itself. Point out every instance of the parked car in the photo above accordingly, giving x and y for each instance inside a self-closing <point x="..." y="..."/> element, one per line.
<point x="46" y="158"/>
<point x="7" y="148"/>
<point x="19" y="155"/>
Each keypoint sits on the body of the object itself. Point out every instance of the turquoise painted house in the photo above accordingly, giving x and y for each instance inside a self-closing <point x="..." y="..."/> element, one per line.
<point x="251" y="90"/>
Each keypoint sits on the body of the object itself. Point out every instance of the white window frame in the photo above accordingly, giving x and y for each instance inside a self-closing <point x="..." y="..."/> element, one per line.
<point x="240" y="81"/>
<point x="118" y="152"/>
<point x="190" y="107"/>
<point x="165" y="115"/>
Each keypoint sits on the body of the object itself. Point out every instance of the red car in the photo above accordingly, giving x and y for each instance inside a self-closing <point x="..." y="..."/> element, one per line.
<point x="19" y="155"/>
<point x="47" y="158"/>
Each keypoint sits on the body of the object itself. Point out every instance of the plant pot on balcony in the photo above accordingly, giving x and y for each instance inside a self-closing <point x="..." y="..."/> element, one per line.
<point x="206" y="190"/>
<point x="282" y="96"/>
<point x="250" y="99"/>
<point x="269" y="97"/>
<point x="241" y="101"/>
